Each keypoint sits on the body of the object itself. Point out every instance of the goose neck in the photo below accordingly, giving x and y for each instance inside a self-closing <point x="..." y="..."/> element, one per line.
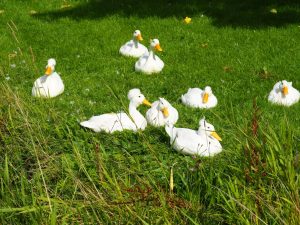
<point x="133" y="110"/>
<point x="135" y="42"/>
<point x="137" y="117"/>
<point x="202" y="132"/>
<point x="151" y="53"/>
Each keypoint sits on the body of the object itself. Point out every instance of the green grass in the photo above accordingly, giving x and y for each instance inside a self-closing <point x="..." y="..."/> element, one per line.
<point x="54" y="172"/>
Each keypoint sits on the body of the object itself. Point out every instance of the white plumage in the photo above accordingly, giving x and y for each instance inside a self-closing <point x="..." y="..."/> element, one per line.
<point x="133" y="48"/>
<point x="204" y="142"/>
<point x="161" y="112"/>
<point x="120" y="121"/>
<point x="50" y="85"/>
<point x="149" y="62"/>
<point x="283" y="93"/>
<point x="197" y="98"/>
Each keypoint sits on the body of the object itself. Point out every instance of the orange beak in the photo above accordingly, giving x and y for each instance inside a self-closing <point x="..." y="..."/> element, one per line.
<point x="165" y="111"/>
<point x="285" y="90"/>
<point x="48" y="70"/>
<point x="158" y="48"/>
<point x="146" y="102"/>
<point x="215" y="135"/>
<point x="139" y="37"/>
<point x="205" y="98"/>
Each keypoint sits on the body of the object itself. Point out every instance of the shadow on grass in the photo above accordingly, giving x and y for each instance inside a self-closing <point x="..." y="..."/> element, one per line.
<point x="235" y="13"/>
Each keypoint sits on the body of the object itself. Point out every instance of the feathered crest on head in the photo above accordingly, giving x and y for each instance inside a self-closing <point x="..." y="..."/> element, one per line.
<point x="133" y="92"/>
<point x="280" y="84"/>
<point x="51" y="62"/>
<point x="207" y="88"/>
<point x="202" y="122"/>
<point x="286" y="83"/>
<point x="163" y="102"/>
<point x="161" y="99"/>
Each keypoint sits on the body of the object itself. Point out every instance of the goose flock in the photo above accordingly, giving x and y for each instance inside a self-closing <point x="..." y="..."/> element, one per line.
<point x="202" y="142"/>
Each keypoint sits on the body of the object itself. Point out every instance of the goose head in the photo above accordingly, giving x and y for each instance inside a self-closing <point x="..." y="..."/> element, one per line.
<point x="136" y="98"/>
<point x="208" y="129"/>
<point x="155" y="46"/>
<point x="50" y="66"/>
<point x="283" y="87"/>
<point x="206" y="94"/>
<point x="137" y="36"/>
<point x="163" y="106"/>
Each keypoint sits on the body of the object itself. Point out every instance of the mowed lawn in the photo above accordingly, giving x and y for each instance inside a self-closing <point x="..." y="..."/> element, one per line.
<point x="52" y="171"/>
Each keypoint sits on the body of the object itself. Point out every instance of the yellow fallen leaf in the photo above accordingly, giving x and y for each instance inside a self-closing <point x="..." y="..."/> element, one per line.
<point x="204" y="45"/>
<point x="1" y="11"/>
<point x="32" y="12"/>
<point x="12" y="55"/>
<point x="227" y="69"/>
<point x="66" y="6"/>
<point x="274" y="11"/>
<point x="187" y="20"/>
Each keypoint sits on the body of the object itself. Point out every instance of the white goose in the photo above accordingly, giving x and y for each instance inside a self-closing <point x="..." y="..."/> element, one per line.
<point x="161" y="112"/>
<point x="149" y="62"/>
<point x="197" y="98"/>
<point x="133" y="48"/>
<point x="283" y="93"/>
<point x="120" y="121"/>
<point x="204" y="142"/>
<point x="49" y="85"/>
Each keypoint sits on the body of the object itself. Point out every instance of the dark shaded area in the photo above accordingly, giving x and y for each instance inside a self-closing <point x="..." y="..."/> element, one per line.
<point x="235" y="13"/>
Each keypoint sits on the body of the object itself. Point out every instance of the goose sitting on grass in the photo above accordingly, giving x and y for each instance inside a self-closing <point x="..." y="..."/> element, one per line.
<point x="283" y="93"/>
<point x="150" y="63"/>
<point x="197" y="98"/>
<point x="49" y="85"/>
<point x="204" y="142"/>
<point x="133" y="48"/>
<point x="161" y="112"/>
<point x="120" y="121"/>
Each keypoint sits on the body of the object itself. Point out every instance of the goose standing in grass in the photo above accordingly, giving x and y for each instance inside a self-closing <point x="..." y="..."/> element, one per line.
<point x="197" y="98"/>
<point x="204" y="142"/>
<point x="283" y="93"/>
<point x="133" y="48"/>
<point x="150" y="63"/>
<point x="161" y="112"/>
<point x="49" y="85"/>
<point x="120" y="121"/>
